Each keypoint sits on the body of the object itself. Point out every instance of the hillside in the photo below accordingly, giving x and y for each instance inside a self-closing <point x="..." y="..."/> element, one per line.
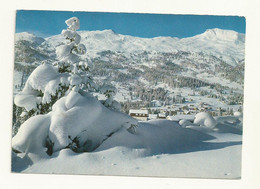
<point x="221" y="43"/>
<point x="213" y="60"/>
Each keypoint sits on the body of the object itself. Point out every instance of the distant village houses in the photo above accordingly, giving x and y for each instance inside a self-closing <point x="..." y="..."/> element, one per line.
<point x="152" y="116"/>
<point x="162" y="115"/>
<point x="175" y="111"/>
<point x="141" y="115"/>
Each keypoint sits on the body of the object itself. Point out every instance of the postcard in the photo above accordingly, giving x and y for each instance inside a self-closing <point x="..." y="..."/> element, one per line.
<point x="128" y="94"/>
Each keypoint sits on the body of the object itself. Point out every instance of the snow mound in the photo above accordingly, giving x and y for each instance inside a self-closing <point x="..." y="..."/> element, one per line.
<point x="75" y="116"/>
<point x="84" y="117"/>
<point x="32" y="135"/>
<point x="205" y="119"/>
<point x="184" y="123"/>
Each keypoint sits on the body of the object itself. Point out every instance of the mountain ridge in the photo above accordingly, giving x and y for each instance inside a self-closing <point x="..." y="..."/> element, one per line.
<point x="209" y="33"/>
<point x="225" y="44"/>
<point x="203" y="56"/>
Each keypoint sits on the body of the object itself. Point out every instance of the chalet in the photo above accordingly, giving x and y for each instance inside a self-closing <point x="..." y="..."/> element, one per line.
<point x="152" y="116"/>
<point x="162" y="116"/>
<point x="139" y="114"/>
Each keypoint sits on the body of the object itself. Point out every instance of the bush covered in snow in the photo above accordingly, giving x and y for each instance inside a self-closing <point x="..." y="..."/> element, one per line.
<point x="205" y="119"/>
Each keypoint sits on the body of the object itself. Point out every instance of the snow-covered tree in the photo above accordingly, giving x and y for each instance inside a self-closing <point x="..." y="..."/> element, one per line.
<point x="70" y="61"/>
<point x="52" y="80"/>
<point x="70" y="116"/>
<point x="110" y="91"/>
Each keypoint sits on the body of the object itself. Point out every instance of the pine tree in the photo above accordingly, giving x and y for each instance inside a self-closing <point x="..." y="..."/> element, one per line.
<point x="64" y="89"/>
<point x="53" y="80"/>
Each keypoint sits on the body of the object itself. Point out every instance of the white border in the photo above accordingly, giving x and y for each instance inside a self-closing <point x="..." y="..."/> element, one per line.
<point x="250" y="166"/>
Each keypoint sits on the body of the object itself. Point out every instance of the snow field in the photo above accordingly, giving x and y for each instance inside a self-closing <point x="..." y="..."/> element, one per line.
<point x="159" y="148"/>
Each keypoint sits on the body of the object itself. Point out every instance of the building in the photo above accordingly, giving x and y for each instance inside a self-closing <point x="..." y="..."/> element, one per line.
<point x="139" y="114"/>
<point x="162" y="115"/>
<point x="152" y="116"/>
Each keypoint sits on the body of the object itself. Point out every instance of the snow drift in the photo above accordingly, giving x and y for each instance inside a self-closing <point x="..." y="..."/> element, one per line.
<point x="158" y="148"/>
<point x="76" y="115"/>
<point x="205" y="119"/>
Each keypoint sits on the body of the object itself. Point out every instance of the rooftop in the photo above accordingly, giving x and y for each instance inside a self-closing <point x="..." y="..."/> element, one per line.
<point x="138" y="111"/>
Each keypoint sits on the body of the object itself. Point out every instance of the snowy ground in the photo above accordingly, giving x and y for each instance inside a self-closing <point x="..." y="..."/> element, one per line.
<point x="159" y="148"/>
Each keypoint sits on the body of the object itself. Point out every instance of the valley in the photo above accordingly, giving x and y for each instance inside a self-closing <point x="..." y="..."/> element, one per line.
<point x="163" y="74"/>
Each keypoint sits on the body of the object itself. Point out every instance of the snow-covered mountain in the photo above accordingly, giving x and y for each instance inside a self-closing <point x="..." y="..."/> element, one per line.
<point x="219" y="34"/>
<point x="227" y="44"/>
<point x="36" y="41"/>
<point x="209" y="56"/>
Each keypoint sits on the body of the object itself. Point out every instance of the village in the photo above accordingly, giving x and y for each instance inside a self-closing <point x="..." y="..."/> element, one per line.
<point x="177" y="112"/>
<point x="179" y="103"/>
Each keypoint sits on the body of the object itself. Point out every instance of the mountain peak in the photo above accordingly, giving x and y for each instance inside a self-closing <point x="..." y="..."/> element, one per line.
<point x="29" y="37"/>
<point x="220" y="34"/>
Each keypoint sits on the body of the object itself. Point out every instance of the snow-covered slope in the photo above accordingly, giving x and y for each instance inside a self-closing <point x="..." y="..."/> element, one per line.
<point x="208" y="57"/>
<point x="227" y="44"/>
<point x="219" y="34"/>
<point x="159" y="148"/>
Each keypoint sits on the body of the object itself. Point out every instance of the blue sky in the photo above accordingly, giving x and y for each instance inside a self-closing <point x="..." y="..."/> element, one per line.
<point x="47" y="23"/>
